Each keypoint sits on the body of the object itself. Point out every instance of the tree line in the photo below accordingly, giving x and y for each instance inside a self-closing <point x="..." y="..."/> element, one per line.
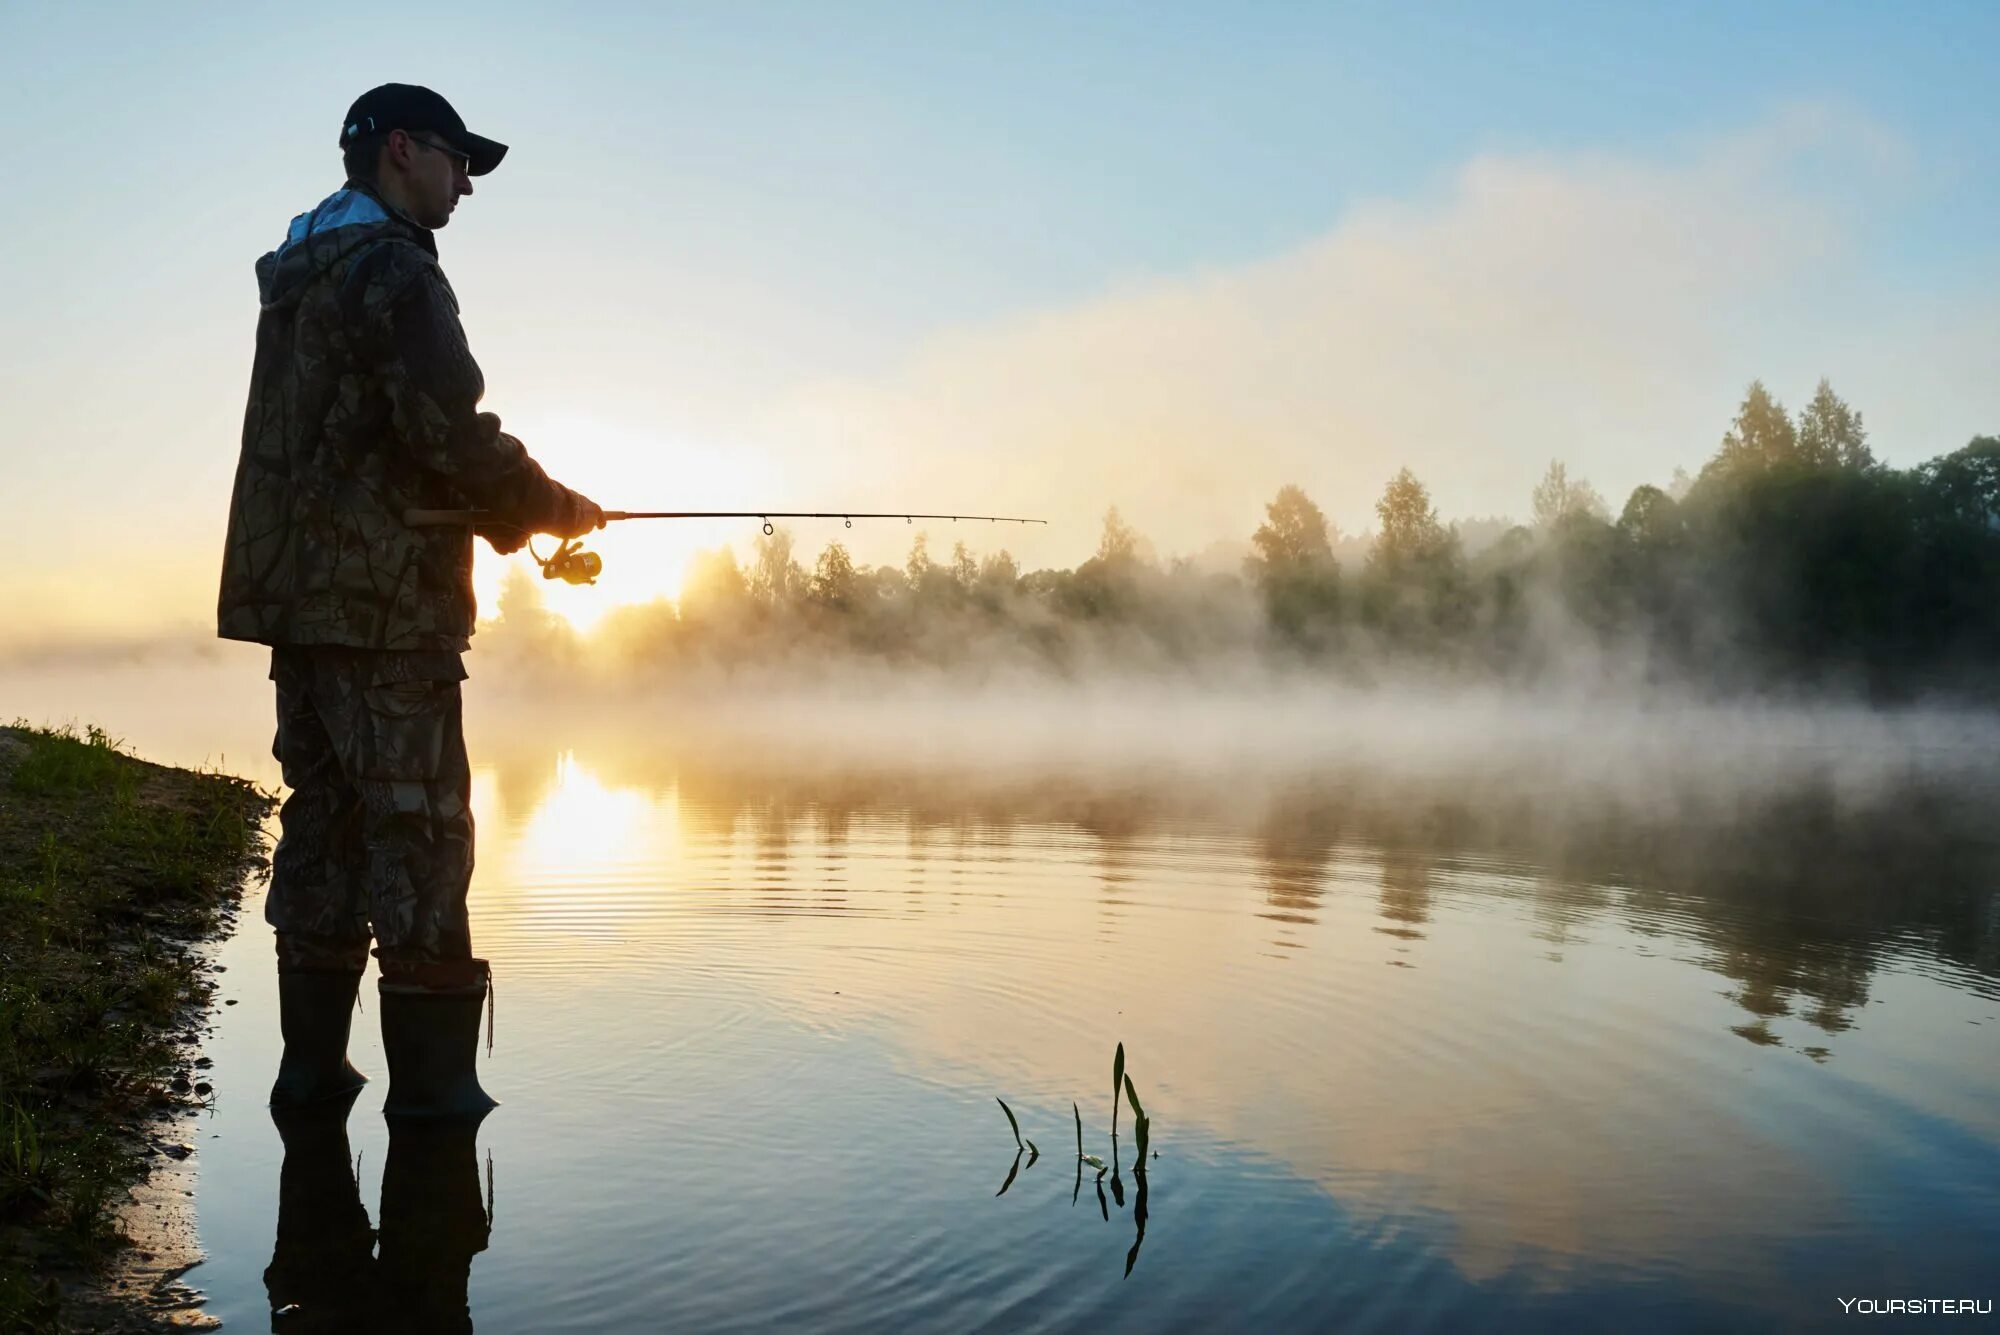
<point x="1793" y="559"/>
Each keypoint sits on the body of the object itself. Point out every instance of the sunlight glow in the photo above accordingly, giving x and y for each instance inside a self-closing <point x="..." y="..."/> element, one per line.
<point x="582" y="823"/>
<point x="623" y="467"/>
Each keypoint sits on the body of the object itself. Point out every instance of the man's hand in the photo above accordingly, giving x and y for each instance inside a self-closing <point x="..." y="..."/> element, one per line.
<point x="578" y="516"/>
<point x="573" y="516"/>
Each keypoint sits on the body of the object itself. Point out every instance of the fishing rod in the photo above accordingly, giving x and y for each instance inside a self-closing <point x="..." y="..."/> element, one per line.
<point x="573" y="565"/>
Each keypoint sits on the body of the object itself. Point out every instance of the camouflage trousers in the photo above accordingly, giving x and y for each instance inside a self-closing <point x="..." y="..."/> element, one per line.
<point x="377" y="831"/>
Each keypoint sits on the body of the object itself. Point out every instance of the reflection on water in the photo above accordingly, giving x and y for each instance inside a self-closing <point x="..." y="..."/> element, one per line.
<point x="1428" y="1045"/>
<point x="1546" y="1096"/>
<point x="1797" y="898"/>
<point x="331" y="1272"/>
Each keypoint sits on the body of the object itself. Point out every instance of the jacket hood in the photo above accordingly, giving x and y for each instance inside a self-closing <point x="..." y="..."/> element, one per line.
<point x="345" y="220"/>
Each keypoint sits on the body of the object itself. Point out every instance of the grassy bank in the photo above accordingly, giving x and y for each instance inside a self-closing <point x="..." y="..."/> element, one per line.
<point x="113" y="871"/>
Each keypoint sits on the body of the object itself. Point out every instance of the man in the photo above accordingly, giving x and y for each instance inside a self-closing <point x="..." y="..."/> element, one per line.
<point x="364" y="404"/>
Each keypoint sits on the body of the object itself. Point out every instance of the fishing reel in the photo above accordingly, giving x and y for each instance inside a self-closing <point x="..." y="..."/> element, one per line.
<point x="569" y="563"/>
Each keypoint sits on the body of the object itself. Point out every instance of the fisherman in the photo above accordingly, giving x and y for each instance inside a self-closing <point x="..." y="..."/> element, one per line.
<point x="363" y="404"/>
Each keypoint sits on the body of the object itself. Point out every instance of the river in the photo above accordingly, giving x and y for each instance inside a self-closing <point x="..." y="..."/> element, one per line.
<point x="1489" y="1038"/>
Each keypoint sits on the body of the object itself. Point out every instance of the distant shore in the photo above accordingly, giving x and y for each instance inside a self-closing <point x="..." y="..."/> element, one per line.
<point x="115" y="875"/>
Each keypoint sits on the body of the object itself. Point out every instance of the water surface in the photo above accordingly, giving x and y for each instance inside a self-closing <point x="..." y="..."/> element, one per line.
<point x="1424" y="1047"/>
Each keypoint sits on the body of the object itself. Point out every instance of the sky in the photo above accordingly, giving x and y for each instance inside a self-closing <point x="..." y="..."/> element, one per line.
<point x="1030" y="258"/>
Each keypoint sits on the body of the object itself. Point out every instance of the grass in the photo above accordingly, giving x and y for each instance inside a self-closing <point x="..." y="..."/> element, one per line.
<point x="111" y="870"/>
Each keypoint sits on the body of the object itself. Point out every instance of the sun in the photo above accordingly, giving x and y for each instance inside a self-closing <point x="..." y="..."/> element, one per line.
<point x="622" y="467"/>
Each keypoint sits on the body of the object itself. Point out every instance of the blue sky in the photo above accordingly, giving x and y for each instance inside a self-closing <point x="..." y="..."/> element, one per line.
<point x="718" y="218"/>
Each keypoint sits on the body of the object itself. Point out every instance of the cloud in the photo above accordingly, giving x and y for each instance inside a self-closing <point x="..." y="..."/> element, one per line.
<point x="1603" y="309"/>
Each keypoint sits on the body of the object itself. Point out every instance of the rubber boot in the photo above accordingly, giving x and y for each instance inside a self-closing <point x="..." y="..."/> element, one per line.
<point x="430" y="1034"/>
<point x="314" y="1008"/>
<point x="322" y="1271"/>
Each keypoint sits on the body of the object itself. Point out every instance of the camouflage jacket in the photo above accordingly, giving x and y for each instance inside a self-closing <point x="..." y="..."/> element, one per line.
<point x="363" y="403"/>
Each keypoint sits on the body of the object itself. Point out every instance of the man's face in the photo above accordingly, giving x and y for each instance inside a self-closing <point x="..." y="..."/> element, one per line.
<point x="433" y="174"/>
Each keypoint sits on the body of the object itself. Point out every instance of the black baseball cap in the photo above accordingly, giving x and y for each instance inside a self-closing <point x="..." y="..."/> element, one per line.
<point x="405" y="106"/>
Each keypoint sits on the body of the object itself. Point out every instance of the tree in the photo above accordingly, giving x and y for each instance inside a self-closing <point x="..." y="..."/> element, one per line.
<point x="999" y="571"/>
<point x="1410" y="527"/>
<point x="1294" y="534"/>
<point x="1967" y="481"/>
<point x="834" y="581"/>
<point x="1108" y="585"/>
<point x="1294" y="568"/>
<point x="1557" y="498"/>
<point x="1830" y="434"/>
<point x="964" y="569"/>
<point x="775" y="579"/>
<point x="1120" y="543"/>
<point x="1761" y="438"/>
<point x="1650" y="517"/>
<point x="918" y="564"/>
<point x="884" y="583"/>
<point x="932" y="583"/>
<point x="1414" y="586"/>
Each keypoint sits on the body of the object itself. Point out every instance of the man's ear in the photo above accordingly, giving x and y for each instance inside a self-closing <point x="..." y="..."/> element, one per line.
<point x="397" y="148"/>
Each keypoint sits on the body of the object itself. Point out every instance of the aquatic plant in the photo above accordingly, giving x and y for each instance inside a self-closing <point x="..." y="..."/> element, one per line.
<point x="1121" y="1084"/>
<point x="1141" y="1124"/>
<point x="1117" y="1078"/>
<point x="1010" y="1120"/>
<point x="1142" y="1128"/>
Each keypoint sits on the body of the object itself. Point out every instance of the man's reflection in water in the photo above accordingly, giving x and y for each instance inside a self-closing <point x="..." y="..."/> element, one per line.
<point x="434" y="1221"/>
<point x="322" y="1269"/>
<point x="331" y="1272"/>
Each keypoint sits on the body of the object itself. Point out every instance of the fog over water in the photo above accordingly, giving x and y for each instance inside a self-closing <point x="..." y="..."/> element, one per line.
<point x="1655" y="752"/>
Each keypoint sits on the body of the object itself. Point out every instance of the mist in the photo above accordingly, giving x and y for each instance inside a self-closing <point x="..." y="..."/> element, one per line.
<point x="1789" y="564"/>
<point x="1788" y="616"/>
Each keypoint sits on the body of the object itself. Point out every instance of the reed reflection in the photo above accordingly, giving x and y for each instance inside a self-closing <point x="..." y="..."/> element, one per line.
<point x="1138" y="1218"/>
<point x="1013" y="1171"/>
<point x="330" y="1271"/>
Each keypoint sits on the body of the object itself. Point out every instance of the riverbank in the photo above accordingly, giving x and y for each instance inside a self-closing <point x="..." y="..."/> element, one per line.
<point x="115" y="874"/>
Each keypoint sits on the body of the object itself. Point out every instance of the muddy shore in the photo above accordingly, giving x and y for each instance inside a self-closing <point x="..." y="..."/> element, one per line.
<point x="117" y="877"/>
